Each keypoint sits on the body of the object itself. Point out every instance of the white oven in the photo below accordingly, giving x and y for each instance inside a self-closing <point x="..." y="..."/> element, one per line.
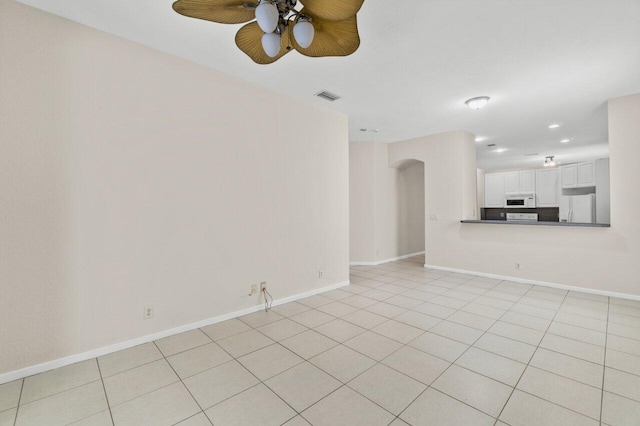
<point x="520" y="201"/>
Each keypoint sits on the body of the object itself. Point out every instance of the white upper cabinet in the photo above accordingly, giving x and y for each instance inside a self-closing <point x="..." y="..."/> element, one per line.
<point x="547" y="188"/>
<point x="494" y="190"/>
<point x="527" y="182"/>
<point x="520" y="182"/>
<point x="578" y="175"/>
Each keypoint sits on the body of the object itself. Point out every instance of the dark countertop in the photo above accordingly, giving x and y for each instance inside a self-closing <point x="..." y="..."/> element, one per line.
<point x="504" y="222"/>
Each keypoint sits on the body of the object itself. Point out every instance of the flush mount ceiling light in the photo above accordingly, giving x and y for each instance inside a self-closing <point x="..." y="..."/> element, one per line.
<point x="548" y="161"/>
<point x="480" y="138"/>
<point x="477" y="103"/>
<point x="499" y="150"/>
<point x="554" y="126"/>
<point x="565" y="141"/>
<point x="320" y="28"/>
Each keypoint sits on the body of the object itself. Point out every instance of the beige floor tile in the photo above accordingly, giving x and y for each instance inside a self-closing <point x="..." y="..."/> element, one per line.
<point x="365" y="319"/>
<point x="127" y="359"/>
<point x="564" y="365"/>
<point x="623" y="344"/>
<point x="591" y="304"/>
<point x="434" y="408"/>
<point x="623" y="361"/>
<point x="457" y="332"/>
<point x="103" y="418"/>
<point x="577" y="333"/>
<point x="219" y="383"/>
<point x="623" y="319"/>
<point x="255" y="406"/>
<point x="373" y="345"/>
<point x="58" y="380"/>
<point x="358" y="301"/>
<point x="244" y="343"/>
<point x="64" y="407"/>
<point x="584" y="312"/>
<point x="483" y="310"/>
<point x="398" y="331"/>
<point x="617" y="410"/>
<point x="398" y="422"/>
<point x="497" y="367"/>
<point x="297" y="421"/>
<point x="303" y="385"/>
<point x="392" y="288"/>
<point x="270" y="361"/>
<point x="312" y="318"/>
<point x="342" y="363"/>
<point x="308" y="344"/>
<point x="315" y="301"/>
<point x="439" y="346"/>
<point x="347" y="407"/>
<point x="508" y="348"/>
<point x="182" y="342"/>
<point x="448" y="302"/>
<point x="416" y="364"/>
<point x="197" y="360"/>
<point x="10" y="394"/>
<point x="199" y="419"/>
<point x="560" y="390"/>
<point x="624" y="331"/>
<point x="356" y="288"/>
<point x="388" y="388"/>
<point x="517" y="332"/>
<point x="294" y="308"/>
<point x="165" y="406"/>
<point x="260" y="318"/>
<point x="527" y="410"/>
<point x="377" y="294"/>
<point x="546" y="295"/>
<point x="337" y="309"/>
<point x="340" y="330"/>
<point x="528" y="321"/>
<point x="534" y="311"/>
<point x="282" y="329"/>
<point x="494" y="302"/>
<point x="339" y="294"/>
<point x="385" y="309"/>
<point x="420" y="295"/>
<point x="540" y="303"/>
<point x="621" y="383"/>
<point x="138" y="381"/>
<point x="480" y="392"/>
<point x="403" y="301"/>
<point x="416" y="319"/>
<point x="458" y="293"/>
<point x="580" y="321"/>
<point x="8" y="417"/>
<point x="586" y="351"/>
<point x="434" y="310"/>
<point x="225" y="329"/>
<point x="471" y="320"/>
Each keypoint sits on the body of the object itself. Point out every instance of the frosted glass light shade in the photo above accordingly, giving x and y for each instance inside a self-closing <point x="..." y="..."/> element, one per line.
<point x="303" y="32"/>
<point x="267" y="16"/>
<point x="271" y="44"/>
<point x="477" y="103"/>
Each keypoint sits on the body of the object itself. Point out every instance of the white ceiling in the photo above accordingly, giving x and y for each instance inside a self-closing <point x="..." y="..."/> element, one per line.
<point x="540" y="62"/>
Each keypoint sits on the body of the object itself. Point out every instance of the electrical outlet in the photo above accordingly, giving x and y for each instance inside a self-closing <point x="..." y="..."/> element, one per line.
<point x="148" y="312"/>
<point x="320" y="274"/>
<point x="254" y="288"/>
<point x="263" y="286"/>
<point x="517" y="265"/>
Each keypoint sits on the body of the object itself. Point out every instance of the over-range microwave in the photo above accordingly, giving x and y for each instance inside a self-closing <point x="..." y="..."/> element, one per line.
<point x="520" y="201"/>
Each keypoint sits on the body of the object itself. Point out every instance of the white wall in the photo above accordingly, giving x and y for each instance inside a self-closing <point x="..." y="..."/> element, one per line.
<point x="386" y="205"/>
<point x="130" y="177"/>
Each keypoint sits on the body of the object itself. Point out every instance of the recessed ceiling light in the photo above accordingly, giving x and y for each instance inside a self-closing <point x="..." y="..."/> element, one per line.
<point x="375" y="130"/>
<point x="478" y="102"/>
<point x="499" y="150"/>
<point x="480" y="138"/>
<point x="492" y="144"/>
<point x="565" y="141"/>
<point x="554" y="126"/>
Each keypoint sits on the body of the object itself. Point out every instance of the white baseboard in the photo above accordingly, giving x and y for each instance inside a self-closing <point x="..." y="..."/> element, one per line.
<point x="540" y="283"/>
<point x="94" y="353"/>
<point x="381" y="262"/>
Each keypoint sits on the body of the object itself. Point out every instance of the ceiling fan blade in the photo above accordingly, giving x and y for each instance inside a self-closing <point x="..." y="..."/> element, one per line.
<point x="332" y="10"/>
<point x="249" y="40"/>
<point x="221" y="11"/>
<point x="332" y="38"/>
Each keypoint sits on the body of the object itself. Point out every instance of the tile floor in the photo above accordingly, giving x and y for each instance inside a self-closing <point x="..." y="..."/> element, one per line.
<point x="401" y="345"/>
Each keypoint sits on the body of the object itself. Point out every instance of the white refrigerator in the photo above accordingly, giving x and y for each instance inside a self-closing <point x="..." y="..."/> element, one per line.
<point x="578" y="208"/>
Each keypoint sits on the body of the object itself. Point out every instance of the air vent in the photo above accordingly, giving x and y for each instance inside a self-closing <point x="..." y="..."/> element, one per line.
<point x="328" y="96"/>
<point x="492" y="144"/>
<point x="531" y="155"/>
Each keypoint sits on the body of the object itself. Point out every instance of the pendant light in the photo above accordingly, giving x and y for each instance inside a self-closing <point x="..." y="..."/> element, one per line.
<point x="267" y="16"/>
<point x="303" y="32"/>
<point x="271" y="44"/>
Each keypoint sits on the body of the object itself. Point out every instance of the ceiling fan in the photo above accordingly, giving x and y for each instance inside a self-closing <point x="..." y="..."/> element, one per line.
<point x="320" y="28"/>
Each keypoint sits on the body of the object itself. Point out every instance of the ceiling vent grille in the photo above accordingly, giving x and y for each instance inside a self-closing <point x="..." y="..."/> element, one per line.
<point x="328" y="96"/>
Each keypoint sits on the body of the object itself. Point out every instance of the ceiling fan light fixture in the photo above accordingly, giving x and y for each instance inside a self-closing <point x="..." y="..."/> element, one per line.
<point x="303" y="32"/>
<point x="267" y="16"/>
<point x="548" y="161"/>
<point x="271" y="44"/>
<point x="478" y="102"/>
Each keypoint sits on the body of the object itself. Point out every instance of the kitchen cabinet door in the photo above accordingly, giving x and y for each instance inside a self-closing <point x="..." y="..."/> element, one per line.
<point x="528" y="182"/>
<point x="547" y="188"/>
<point x="494" y="190"/>
<point x="569" y="176"/>
<point x="511" y="183"/>
<point x="586" y="174"/>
